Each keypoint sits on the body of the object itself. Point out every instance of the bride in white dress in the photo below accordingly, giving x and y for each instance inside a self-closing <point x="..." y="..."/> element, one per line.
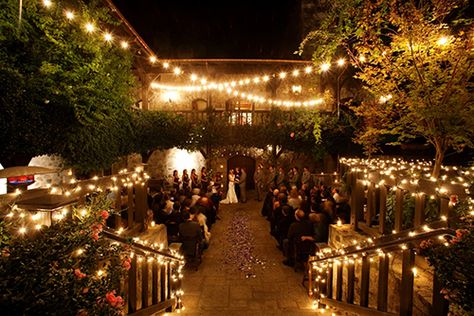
<point x="231" y="196"/>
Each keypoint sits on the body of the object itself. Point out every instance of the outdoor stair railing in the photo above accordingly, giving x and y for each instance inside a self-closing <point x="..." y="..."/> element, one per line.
<point x="326" y="277"/>
<point x="154" y="279"/>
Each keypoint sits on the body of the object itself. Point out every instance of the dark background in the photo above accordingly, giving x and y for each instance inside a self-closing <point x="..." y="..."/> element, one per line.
<point x="210" y="29"/>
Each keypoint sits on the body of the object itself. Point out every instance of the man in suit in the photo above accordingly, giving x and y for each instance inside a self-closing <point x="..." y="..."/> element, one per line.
<point x="190" y="233"/>
<point x="243" y="185"/>
<point x="306" y="177"/>
<point x="237" y="182"/>
<point x="301" y="227"/>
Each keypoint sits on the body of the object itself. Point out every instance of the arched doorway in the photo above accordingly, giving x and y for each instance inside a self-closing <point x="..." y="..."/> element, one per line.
<point x="243" y="162"/>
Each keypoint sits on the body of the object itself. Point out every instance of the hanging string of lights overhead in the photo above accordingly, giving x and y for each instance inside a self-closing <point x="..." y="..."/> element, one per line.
<point x="237" y="93"/>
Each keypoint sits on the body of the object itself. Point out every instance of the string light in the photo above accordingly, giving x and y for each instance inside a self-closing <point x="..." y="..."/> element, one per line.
<point x="47" y="3"/>
<point x="325" y="67"/>
<point x="341" y="62"/>
<point x="108" y="37"/>
<point x="89" y="27"/>
<point x="69" y="15"/>
<point x="153" y="59"/>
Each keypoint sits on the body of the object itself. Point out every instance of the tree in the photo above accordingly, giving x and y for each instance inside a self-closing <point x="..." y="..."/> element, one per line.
<point x="63" y="91"/>
<point x="415" y="59"/>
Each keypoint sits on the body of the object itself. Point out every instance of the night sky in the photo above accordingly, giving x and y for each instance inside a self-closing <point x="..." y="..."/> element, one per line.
<point x="223" y="29"/>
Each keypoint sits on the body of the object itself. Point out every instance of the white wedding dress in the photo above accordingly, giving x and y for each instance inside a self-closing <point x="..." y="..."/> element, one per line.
<point x="231" y="196"/>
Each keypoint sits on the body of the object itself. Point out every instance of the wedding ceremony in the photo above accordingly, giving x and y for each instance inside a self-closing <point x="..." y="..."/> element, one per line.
<point x="293" y="157"/>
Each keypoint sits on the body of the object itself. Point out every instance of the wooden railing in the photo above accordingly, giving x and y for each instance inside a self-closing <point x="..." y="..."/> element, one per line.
<point x="153" y="282"/>
<point x="368" y="199"/>
<point x="326" y="277"/>
<point x="237" y="117"/>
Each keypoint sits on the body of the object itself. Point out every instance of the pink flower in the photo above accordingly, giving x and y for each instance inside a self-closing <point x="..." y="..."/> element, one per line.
<point x="95" y="236"/>
<point x="79" y="274"/>
<point x="104" y="214"/>
<point x="127" y="263"/>
<point x="426" y="244"/>
<point x="461" y="232"/>
<point x="114" y="301"/>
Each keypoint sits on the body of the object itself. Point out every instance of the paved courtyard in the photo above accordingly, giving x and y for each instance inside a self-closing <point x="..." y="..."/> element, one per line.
<point x="242" y="272"/>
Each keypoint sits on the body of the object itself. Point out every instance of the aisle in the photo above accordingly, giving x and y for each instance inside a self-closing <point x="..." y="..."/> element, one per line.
<point x="242" y="271"/>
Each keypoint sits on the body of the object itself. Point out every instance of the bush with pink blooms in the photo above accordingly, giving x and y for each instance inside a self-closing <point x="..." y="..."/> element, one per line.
<point x="68" y="268"/>
<point x="453" y="261"/>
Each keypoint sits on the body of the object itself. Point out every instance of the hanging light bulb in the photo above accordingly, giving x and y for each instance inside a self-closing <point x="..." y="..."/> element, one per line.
<point x="69" y="15"/>
<point x="124" y="44"/>
<point x="108" y="37"/>
<point x="89" y="27"/>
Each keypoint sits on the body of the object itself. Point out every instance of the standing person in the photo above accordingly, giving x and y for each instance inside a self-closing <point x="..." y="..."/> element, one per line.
<point x="176" y="180"/>
<point x="258" y="178"/>
<point x="270" y="179"/>
<point x="237" y="182"/>
<point x="194" y="179"/>
<point x="231" y="196"/>
<point x="185" y="180"/>
<point x="280" y="178"/>
<point x="290" y="177"/>
<point x="306" y="178"/>
<point x="204" y="180"/>
<point x="243" y="185"/>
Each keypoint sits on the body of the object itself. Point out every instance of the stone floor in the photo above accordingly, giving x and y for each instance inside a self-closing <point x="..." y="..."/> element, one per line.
<point x="254" y="282"/>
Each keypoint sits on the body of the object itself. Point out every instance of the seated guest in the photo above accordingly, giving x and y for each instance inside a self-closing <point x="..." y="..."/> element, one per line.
<point x="338" y="198"/>
<point x="294" y="200"/>
<point x="205" y="206"/>
<point x="190" y="233"/>
<point x="201" y="219"/>
<point x="320" y="223"/>
<point x="301" y="227"/>
<point x="283" y="224"/>
<point x="161" y="217"/>
<point x="195" y="197"/>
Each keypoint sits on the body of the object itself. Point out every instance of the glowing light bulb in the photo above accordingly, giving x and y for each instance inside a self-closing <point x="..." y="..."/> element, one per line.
<point x="308" y="69"/>
<point x="296" y="73"/>
<point x="177" y="71"/>
<point x="89" y="27"/>
<point x="22" y="230"/>
<point x="47" y="3"/>
<point x="341" y="62"/>
<point x="153" y="59"/>
<point x="108" y="37"/>
<point x="69" y="15"/>
<point x="266" y="78"/>
<point x="325" y="67"/>
<point x="193" y="77"/>
<point x="166" y="65"/>
<point x="124" y="44"/>
<point x="362" y="58"/>
<point x="443" y="40"/>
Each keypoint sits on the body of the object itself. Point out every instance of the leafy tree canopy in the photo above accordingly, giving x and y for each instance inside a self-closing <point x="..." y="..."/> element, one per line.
<point x="62" y="91"/>
<point x="415" y="60"/>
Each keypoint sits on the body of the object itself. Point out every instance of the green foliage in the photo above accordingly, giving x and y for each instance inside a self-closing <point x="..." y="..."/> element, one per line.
<point x="408" y="210"/>
<point x="62" y="91"/>
<point x="42" y="272"/>
<point x="419" y="81"/>
<point x="158" y="130"/>
<point x="454" y="265"/>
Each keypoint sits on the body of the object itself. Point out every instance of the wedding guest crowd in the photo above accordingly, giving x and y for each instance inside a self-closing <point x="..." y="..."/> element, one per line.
<point x="299" y="209"/>
<point x="189" y="208"/>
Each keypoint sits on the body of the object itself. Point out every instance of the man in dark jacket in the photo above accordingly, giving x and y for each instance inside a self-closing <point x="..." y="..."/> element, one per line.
<point x="301" y="227"/>
<point x="190" y="233"/>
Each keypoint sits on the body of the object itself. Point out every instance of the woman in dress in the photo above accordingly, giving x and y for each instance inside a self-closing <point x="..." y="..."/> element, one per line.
<point x="204" y="180"/>
<point x="231" y="196"/>
<point x="194" y="179"/>
<point x="176" y="180"/>
<point x="185" y="179"/>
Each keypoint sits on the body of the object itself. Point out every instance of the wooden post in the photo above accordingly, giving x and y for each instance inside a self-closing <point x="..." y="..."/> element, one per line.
<point x="339" y="282"/>
<point x="419" y="209"/>
<point x="383" y="209"/>
<point x="145" y="292"/>
<point x="382" y="292"/>
<point x="141" y="205"/>
<point x="350" y="283"/>
<point x="131" y="206"/>
<point x="444" y="207"/>
<point x="439" y="306"/>
<point x="398" y="210"/>
<point x="406" y="286"/>
<point x="163" y="284"/>
<point x="329" y="281"/>
<point x="364" y="282"/>
<point x="154" y="290"/>
<point x="357" y="201"/>
<point x="132" y="286"/>
<point x="370" y="204"/>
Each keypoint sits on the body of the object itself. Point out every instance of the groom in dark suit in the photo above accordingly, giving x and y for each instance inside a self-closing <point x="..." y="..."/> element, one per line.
<point x="237" y="181"/>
